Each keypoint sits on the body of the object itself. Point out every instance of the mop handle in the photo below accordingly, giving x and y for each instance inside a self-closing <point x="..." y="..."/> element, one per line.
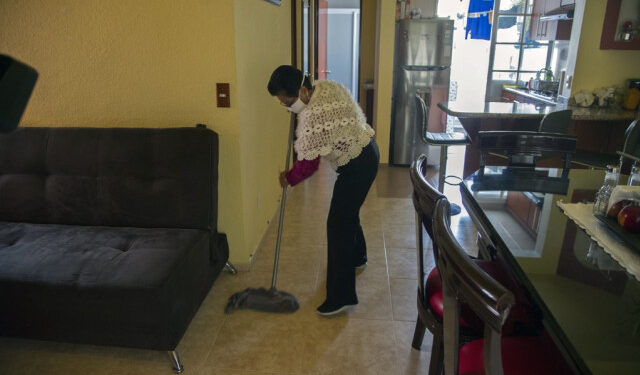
<point x="282" y="203"/>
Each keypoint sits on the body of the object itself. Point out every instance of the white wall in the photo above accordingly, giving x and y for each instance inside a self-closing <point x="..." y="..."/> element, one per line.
<point x="348" y="4"/>
<point x="428" y="7"/>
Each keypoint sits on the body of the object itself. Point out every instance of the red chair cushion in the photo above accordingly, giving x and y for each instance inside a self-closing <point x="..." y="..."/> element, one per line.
<point x="434" y="292"/>
<point x="518" y="316"/>
<point x="520" y="356"/>
<point x="434" y="283"/>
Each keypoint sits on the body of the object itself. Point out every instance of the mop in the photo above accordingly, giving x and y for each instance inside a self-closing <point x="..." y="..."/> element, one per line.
<point x="269" y="300"/>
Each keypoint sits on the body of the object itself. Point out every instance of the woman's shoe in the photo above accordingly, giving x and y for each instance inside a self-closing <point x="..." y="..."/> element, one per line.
<point x="327" y="309"/>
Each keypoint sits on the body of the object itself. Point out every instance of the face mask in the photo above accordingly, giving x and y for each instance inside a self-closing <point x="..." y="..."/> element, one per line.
<point x="298" y="106"/>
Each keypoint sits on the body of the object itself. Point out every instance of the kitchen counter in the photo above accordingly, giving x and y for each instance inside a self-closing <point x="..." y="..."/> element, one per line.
<point x="532" y="95"/>
<point x="501" y="110"/>
<point x="597" y="129"/>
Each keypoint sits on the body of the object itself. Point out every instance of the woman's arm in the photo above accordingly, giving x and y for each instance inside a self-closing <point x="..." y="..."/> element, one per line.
<point x="301" y="170"/>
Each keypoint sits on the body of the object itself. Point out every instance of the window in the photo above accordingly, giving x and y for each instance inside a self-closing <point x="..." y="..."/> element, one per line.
<point x="514" y="56"/>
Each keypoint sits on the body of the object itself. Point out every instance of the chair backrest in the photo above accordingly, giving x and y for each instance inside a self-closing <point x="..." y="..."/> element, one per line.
<point x="523" y="148"/>
<point x="422" y="113"/>
<point x="632" y="139"/>
<point x="556" y="122"/>
<point x="425" y="197"/>
<point x="464" y="281"/>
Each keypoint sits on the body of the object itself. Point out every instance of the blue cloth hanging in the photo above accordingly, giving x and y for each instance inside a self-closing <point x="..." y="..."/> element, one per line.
<point x="478" y="26"/>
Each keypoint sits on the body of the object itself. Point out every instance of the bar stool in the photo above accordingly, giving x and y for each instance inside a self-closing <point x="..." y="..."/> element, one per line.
<point x="556" y="122"/>
<point x="444" y="140"/>
<point x="594" y="159"/>
<point x="553" y="122"/>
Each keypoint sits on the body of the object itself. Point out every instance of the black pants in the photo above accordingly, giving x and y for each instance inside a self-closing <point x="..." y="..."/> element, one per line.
<point x="346" y="243"/>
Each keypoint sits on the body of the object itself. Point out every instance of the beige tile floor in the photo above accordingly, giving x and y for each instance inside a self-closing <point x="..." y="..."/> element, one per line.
<point x="374" y="338"/>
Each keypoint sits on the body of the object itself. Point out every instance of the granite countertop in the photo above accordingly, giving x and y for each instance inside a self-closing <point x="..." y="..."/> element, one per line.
<point x="482" y="109"/>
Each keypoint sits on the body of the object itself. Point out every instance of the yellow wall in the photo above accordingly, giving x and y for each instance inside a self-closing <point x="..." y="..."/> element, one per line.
<point x="597" y="68"/>
<point x="385" y="34"/>
<point x="263" y="42"/>
<point x="154" y="63"/>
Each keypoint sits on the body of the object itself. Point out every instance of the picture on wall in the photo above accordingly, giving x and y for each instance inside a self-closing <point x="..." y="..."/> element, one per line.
<point x="276" y="2"/>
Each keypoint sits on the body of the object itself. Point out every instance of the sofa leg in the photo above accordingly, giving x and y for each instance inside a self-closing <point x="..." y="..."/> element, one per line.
<point x="230" y="268"/>
<point x="175" y="361"/>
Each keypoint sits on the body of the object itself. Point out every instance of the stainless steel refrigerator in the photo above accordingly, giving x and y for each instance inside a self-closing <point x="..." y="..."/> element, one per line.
<point x="422" y="64"/>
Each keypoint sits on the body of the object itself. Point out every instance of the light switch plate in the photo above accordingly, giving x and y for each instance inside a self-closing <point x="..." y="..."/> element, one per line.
<point x="223" y="95"/>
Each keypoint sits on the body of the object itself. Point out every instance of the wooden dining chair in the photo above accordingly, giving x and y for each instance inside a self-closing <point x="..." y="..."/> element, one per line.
<point x="425" y="198"/>
<point x="463" y="281"/>
<point x="429" y="298"/>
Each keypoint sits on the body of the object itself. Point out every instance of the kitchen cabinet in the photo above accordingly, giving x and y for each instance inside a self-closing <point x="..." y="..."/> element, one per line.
<point x="550" y="5"/>
<point x="525" y="210"/>
<point x="550" y="29"/>
<point x="535" y="27"/>
<point x="510" y="97"/>
<point x="611" y="27"/>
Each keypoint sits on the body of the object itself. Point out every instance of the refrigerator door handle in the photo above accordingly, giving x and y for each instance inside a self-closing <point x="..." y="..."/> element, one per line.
<point x="424" y="68"/>
<point x="425" y="115"/>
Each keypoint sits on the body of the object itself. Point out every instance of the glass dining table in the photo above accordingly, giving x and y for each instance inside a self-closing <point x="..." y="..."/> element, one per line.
<point x="589" y="303"/>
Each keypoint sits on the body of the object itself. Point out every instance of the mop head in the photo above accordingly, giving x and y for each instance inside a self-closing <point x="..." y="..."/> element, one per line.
<point x="261" y="299"/>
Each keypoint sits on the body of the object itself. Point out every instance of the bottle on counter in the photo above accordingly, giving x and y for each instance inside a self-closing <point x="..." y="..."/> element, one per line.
<point x="634" y="177"/>
<point x="611" y="178"/>
<point x="632" y="99"/>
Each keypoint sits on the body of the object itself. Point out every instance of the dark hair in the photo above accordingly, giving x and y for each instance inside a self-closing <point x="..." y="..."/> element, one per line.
<point x="287" y="79"/>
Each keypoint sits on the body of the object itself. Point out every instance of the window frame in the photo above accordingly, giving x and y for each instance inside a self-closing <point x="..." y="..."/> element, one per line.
<point x="526" y="13"/>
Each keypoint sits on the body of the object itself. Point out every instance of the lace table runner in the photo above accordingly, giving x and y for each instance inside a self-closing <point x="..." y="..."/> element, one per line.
<point x="582" y="215"/>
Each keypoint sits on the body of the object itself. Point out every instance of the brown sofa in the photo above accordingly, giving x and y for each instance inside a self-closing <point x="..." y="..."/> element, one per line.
<point x="107" y="236"/>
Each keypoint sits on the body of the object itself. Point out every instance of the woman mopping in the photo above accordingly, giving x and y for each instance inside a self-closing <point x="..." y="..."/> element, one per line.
<point x="332" y="125"/>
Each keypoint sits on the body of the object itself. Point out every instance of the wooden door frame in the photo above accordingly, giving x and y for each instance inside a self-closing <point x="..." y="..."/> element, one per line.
<point x="310" y="41"/>
<point x="294" y="35"/>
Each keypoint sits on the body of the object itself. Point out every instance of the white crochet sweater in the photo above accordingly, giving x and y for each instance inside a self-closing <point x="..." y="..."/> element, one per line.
<point x="332" y="125"/>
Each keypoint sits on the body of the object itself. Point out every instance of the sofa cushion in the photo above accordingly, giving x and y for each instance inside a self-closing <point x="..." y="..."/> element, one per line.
<point x="132" y="287"/>
<point x="84" y="256"/>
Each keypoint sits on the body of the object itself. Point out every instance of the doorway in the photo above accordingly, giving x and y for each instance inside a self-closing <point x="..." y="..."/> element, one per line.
<point x="337" y="42"/>
<point x="469" y="61"/>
